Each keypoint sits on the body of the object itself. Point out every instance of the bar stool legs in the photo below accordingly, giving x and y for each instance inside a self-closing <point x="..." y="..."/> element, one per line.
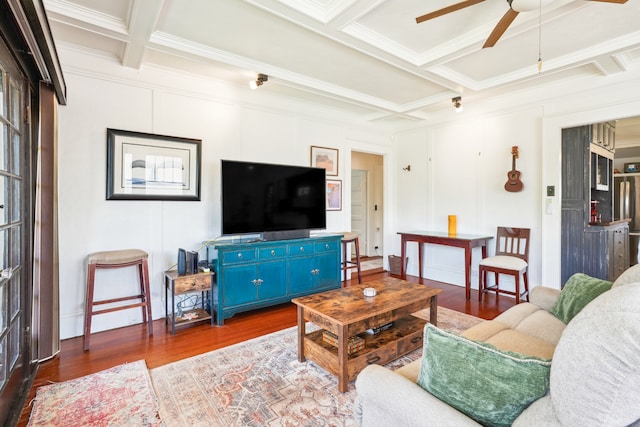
<point x="118" y="259"/>
<point x="347" y="263"/>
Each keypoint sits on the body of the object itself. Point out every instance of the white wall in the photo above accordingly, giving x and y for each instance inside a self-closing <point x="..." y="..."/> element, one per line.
<point x="460" y="168"/>
<point x="232" y="122"/>
<point x="459" y="164"/>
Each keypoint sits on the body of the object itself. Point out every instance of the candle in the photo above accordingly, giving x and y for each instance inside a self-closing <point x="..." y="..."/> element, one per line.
<point x="452" y="225"/>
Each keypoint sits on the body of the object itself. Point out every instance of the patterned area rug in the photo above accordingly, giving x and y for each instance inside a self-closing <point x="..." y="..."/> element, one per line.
<point x="120" y="396"/>
<point x="261" y="383"/>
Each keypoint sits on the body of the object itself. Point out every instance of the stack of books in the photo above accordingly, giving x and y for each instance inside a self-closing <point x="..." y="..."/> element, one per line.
<point x="355" y="343"/>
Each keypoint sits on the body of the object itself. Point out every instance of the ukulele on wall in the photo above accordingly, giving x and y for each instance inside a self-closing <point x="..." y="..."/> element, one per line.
<point x="513" y="176"/>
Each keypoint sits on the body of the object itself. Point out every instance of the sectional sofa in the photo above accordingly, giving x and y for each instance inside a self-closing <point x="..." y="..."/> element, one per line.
<point x="566" y="358"/>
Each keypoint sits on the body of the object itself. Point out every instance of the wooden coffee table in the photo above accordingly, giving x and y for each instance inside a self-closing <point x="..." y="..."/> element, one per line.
<point x="347" y="312"/>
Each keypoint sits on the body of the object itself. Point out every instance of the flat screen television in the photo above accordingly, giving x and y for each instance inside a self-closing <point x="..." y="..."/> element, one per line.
<point x="278" y="201"/>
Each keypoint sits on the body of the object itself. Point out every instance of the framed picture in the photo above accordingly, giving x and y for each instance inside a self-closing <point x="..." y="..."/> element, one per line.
<point x="142" y="166"/>
<point x="326" y="158"/>
<point x="334" y="195"/>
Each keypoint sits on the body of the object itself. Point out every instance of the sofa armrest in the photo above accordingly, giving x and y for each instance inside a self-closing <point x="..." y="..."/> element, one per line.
<point x="389" y="399"/>
<point x="544" y="297"/>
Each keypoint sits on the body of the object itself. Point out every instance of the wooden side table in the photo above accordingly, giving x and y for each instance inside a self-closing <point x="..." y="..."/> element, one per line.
<point x="178" y="284"/>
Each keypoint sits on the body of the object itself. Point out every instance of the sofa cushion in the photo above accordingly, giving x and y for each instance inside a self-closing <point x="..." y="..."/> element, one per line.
<point x="522" y="343"/>
<point x="488" y="385"/>
<point x="543" y="296"/>
<point x="542" y="325"/>
<point x="579" y="291"/>
<point x="485" y="330"/>
<point x="534" y="321"/>
<point x="595" y="375"/>
<point x="501" y="336"/>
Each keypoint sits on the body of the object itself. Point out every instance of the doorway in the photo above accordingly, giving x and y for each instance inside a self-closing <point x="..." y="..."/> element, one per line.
<point x="367" y="192"/>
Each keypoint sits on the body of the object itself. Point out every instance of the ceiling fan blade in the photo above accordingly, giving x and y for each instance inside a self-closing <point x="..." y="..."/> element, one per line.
<point x="448" y="9"/>
<point x="500" y="28"/>
<point x="611" y="1"/>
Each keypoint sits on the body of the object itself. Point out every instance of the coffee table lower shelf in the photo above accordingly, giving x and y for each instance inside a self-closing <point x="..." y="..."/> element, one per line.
<point x="403" y="337"/>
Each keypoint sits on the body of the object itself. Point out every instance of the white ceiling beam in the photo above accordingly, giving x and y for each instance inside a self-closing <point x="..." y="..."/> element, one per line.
<point x="143" y="18"/>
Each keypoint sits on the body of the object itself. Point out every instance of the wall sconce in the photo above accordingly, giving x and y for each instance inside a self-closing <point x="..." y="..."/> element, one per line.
<point x="457" y="103"/>
<point x="253" y="84"/>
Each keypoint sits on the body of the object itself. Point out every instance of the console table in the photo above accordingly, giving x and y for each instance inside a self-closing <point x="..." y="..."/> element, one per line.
<point x="258" y="274"/>
<point x="464" y="241"/>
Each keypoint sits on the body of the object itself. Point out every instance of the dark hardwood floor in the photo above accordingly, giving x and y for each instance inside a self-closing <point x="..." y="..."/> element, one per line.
<point x="114" y="347"/>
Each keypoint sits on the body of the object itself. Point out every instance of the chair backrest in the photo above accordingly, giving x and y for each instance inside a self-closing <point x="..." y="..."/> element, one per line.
<point x="513" y="242"/>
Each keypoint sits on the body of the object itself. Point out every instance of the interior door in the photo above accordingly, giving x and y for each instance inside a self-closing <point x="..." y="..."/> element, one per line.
<point x="15" y="319"/>
<point x="359" y="209"/>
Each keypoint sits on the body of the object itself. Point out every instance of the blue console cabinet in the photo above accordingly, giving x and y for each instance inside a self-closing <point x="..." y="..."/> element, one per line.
<point x="259" y="274"/>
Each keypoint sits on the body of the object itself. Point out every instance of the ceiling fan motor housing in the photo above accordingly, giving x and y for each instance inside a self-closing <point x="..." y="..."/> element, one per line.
<point x="527" y="5"/>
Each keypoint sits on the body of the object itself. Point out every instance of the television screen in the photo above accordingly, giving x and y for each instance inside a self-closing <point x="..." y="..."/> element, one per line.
<point x="262" y="197"/>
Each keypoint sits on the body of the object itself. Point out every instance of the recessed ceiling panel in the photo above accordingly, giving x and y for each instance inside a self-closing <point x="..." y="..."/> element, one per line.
<point x="396" y="20"/>
<point x="367" y="57"/>
<point x="253" y="33"/>
<point x="572" y="37"/>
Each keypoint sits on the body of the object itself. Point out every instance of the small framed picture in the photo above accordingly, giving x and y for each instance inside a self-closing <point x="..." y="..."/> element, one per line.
<point x="326" y="158"/>
<point x="334" y="195"/>
<point x="142" y="166"/>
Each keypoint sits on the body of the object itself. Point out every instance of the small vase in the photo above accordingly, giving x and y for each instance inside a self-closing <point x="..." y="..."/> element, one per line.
<point x="452" y="225"/>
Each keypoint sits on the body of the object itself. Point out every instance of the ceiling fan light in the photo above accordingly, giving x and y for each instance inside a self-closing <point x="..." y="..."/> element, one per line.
<point x="527" y="5"/>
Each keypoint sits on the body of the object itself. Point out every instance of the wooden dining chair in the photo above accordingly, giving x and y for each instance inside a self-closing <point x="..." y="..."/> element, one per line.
<point x="512" y="258"/>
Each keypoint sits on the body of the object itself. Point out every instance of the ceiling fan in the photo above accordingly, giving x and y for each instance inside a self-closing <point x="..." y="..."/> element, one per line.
<point x="515" y="7"/>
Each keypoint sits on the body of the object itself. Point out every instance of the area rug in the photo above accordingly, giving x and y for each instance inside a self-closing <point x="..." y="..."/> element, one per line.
<point x="261" y="383"/>
<point x="119" y="396"/>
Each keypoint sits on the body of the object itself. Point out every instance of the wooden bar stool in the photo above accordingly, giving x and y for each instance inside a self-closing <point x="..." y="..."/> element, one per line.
<point x="347" y="263"/>
<point x="118" y="259"/>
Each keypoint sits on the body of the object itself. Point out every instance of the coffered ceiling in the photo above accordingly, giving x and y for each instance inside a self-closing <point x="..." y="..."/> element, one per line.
<point x="365" y="57"/>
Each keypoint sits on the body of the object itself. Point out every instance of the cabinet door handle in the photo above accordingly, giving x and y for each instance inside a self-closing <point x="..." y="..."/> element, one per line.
<point x="240" y="256"/>
<point x="373" y="359"/>
<point x="301" y="248"/>
<point x="273" y="253"/>
<point x="326" y="246"/>
<point x="416" y="340"/>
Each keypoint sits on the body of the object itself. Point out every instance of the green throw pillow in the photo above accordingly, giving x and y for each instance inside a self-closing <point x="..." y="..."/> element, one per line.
<point x="491" y="386"/>
<point x="579" y="291"/>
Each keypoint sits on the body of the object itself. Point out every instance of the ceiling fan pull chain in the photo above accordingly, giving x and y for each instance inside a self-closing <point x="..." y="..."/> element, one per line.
<point x="540" y="39"/>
